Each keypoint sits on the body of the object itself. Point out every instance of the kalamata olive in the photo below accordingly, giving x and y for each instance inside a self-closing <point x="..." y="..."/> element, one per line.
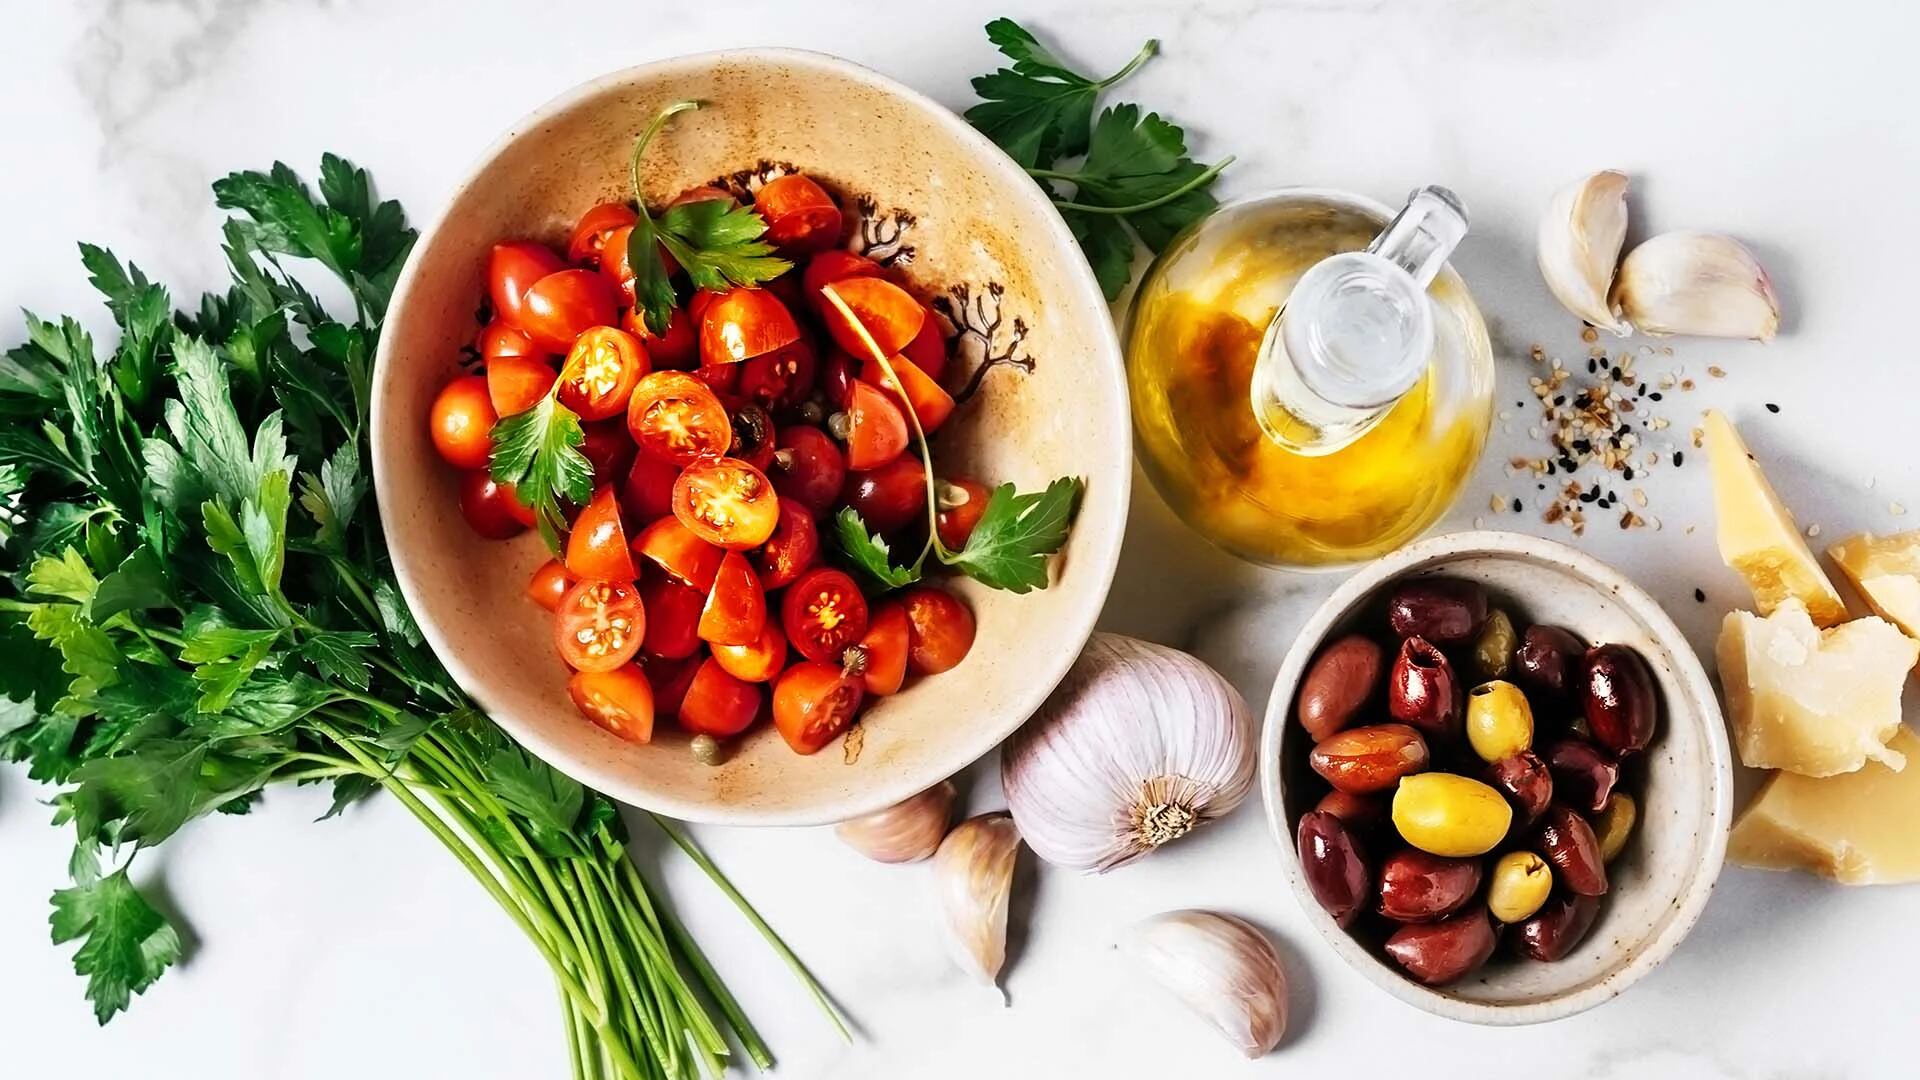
<point x="1363" y="814"/>
<point x="1617" y="698"/>
<point x="1493" y="649"/>
<point x="1338" y="683"/>
<point x="1445" y="814"/>
<point x="1441" y="952"/>
<point x="1525" y="781"/>
<point x="1445" y="611"/>
<point x="1499" y="722"/>
<point x="1615" y="825"/>
<point x="1558" y="926"/>
<point x="1423" y="691"/>
<point x="1368" y="759"/>
<point x="1335" y="868"/>
<point x="1583" y="774"/>
<point x="1418" y="887"/>
<point x="1545" y="662"/>
<point x="1518" y="886"/>
<point x="1569" y="846"/>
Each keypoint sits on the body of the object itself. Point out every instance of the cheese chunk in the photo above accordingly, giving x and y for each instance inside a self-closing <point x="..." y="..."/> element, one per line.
<point x="1862" y="828"/>
<point x="1886" y="572"/>
<point x="1758" y="538"/>
<point x="1810" y="701"/>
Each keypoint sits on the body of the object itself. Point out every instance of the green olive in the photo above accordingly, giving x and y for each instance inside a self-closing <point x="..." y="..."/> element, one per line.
<point x="1493" y="649"/>
<point x="1520" y="884"/>
<point x="1499" y="721"/>
<point x="1444" y="814"/>
<point x="1615" y="824"/>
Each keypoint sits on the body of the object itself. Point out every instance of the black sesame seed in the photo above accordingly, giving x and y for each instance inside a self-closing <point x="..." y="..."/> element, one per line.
<point x="1772" y="408"/>
<point x="1626" y="473"/>
<point x="1582" y="446"/>
<point x="1700" y="595"/>
<point x="1616" y="374"/>
<point x="1624" y="429"/>
<point x="1559" y="399"/>
<point x="1679" y="457"/>
<point x="1592" y="365"/>
<point x="1588" y="496"/>
<point x="1517" y="506"/>
<point x="1655" y="395"/>
<point x="1541" y="487"/>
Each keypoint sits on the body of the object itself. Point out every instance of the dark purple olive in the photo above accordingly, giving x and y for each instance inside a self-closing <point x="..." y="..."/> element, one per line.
<point x="1558" y="926"/>
<point x="1422" y="690"/>
<point x="1583" y="774"/>
<point x="1567" y="842"/>
<point x="1362" y="813"/>
<point x="1526" y="782"/>
<point x="1445" y="611"/>
<point x="1617" y="698"/>
<point x="1418" y="887"/>
<point x="1546" y="661"/>
<point x="1441" y="952"/>
<point x="1362" y="760"/>
<point x="1338" y="683"/>
<point x="1334" y="865"/>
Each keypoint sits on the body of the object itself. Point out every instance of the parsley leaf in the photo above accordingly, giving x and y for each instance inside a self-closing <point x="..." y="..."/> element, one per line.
<point x="869" y="551"/>
<point x="128" y="943"/>
<point x="1015" y="534"/>
<point x="144" y="313"/>
<point x="1039" y="109"/>
<point x="332" y="496"/>
<point x="1108" y="248"/>
<point x="718" y="244"/>
<point x="652" y="290"/>
<point x="548" y="799"/>
<point x="334" y="654"/>
<point x="538" y="452"/>
<point x="139" y="583"/>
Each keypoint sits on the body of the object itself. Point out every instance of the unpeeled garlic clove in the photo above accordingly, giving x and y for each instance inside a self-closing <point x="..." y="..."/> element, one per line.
<point x="904" y="832"/>
<point x="972" y="879"/>
<point x="1221" y="967"/>
<point x="1697" y="283"/>
<point x="1578" y="246"/>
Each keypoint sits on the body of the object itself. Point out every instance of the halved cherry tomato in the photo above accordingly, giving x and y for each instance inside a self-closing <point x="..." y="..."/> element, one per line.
<point x="675" y="350"/>
<point x="876" y="428"/>
<point x="792" y="549"/>
<point x="565" y="304"/>
<point x="813" y="702"/>
<point x="929" y="402"/>
<point x="673" y="617"/>
<point x="698" y="303"/>
<point x="512" y="268"/>
<point x="890" y="314"/>
<point x="491" y="508"/>
<point x="548" y="584"/>
<point x="602" y="368"/>
<point x="831" y="266"/>
<point x="704" y="193"/>
<point x="801" y="216"/>
<point x="717" y="703"/>
<point x="590" y="235"/>
<point x="939" y="629"/>
<point x="889" y="497"/>
<point x="757" y="661"/>
<point x="676" y="417"/>
<point x="607" y="448"/>
<point x="726" y="501"/>
<point x="781" y="378"/>
<point x="599" y="625"/>
<point x="616" y="268"/>
<point x="461" y="422"/>
<point x="597" y="546"/>
<point x="961" y="502"/>
<point x="621" y="701"/>
<point x="743" y="323"/>
<point x="880" y="659"/>
<point x="928" y="349"/>
<point x="517" y="383"/>
<point x="648" y="491"/>
<point x="498" y="339"/>
<point x="753" y="435"/>
<point x="736" y="608"/>
<point x="837" y="375"/>
<point x="823" y="613"/>
<point x="670" y="680"/>
<point x="722" y="379"/>
<point x="674" y="548"/>
<point x="808" y="467"/>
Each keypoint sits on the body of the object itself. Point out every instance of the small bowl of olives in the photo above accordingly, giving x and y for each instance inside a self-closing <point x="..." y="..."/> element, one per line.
<point x="1499" y="778"/>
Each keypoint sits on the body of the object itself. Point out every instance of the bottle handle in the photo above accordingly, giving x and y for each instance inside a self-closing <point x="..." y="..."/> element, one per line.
<point x="1423" y="233"/>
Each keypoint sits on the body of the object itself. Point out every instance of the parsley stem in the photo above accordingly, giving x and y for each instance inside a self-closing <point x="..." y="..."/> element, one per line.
<point x="1202" y="180"/>
<point x="640" y="147"/>
<point x="1146" y="53"/>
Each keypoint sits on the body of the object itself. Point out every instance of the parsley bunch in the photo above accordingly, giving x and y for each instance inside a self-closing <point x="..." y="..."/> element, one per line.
<point x="196" y="604"/>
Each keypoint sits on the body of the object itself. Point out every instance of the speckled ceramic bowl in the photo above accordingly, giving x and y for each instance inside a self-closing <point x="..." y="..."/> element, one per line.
<point x="1659" y="884"/>
<point x="923" y="193"/>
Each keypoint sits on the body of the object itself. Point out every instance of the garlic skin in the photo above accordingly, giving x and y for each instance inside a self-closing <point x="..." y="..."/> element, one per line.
<point x="1140" y="744"/>
<point x="1221" y="967"/>
<point x="972" y="879"/>
<point x="1578" y="246"/>
<point x="905" y="832"/>
<point x="1695" y="283"/>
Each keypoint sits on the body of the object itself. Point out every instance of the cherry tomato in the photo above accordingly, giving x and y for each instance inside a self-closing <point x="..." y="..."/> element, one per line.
<point x="674" y="548"/>
<point x="928" y="349"/>
<point x="743" y="323"/>
<point x="726" y="501"/>
<point x="961" y="502"/>
<point x="461" y="422"/>
<point x="648" y="491"/>
<point x="491" y="508"/>
<point x="939" y="629"/>
<point x="512" y="268"/>
<point x="781" y="378"/>
<point x="736" y="608"/>
<point x="676" y="417"/>
<point x="837" y="375"/>
<point x="808" y="467"/>
<point x="517" y="383"/>
<point x="889" y="497"/>
<point x="673" y="618"/>
<point x="880" y="659"/>
<point x="722" y="379"/>
<point x="565" y="304"/>
<point x="876" y="428"/>
<point x="616" y="267"/>
<point x="801" y="216"/>
<point x="792" y="549"/>
<point x="717" y="703"/>
<point x="596" y="226"/>
<point x="753" y="435"/>
<point x="929" y="402"/>
<point x="670" y="680"/>
<point x="607" y="448"/>
<point x="788" y="290"/>
<point x="621" y="701"/>
<point x="757" y="661"/>
<point x="599" y="625"/>
<point x="831" y="266"/>
<point x="497" y="339"/>
<point x="675" y="350"/>
<point x="698" y="303"/>
<point x="823" y="613"/>
<point x="597" y="546"/>
<point x="704" y="193"/>
<point x="813" y="702"/>
<point x="548" y="584"/>
<point x="602" y="368"/>
<point x="890" y="314"/>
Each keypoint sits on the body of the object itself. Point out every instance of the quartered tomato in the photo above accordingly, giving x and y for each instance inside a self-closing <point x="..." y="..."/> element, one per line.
<point x="675" y="350"/>
<point x="800" y="215"/>
<point x="717" y="703"/>
<point x="831" y="266"/>
<point x="565" y="304"/>
<point x="647" y="493"/>
<point x="928" y="349"/>
<point x="939" y="629"/>
<point x="461" y="422"/>
<point x="512" y="268"/>
<point x="607" y="448"/>
<point x="929" y="402"/>
<point x="621" y="701"/>
<point x="491" y="508"/>
<point x="876" y="428"/>
<point x="889" y="497"/>
<point x="676" y="417"/>
<point x="808" y="467"/>
<point x="670" y="679"/>
<point x="726" y="501"/>
<point x="548" y="584"/>
<point x="517" y="383"/>
<point x="813" y="702"/>
<point x="753" y="435"/>
<point x="890" y="314"/>
<point x="757" y="661"/>
<point x="823" y="613"/>
<point x="597" y="546"/>
<point x="685" y="557"/>
<point x="673" y="617"/>
<point x="880" y="659"/>
<point x="781" y="378"/>
<point x="792" y="549"/>
<point x="960" y="503"/>
<point x="736" y="608"/>
<point x="498" y="339"/>
<point x="602" y="368"/>
<point x="743" y="323"/>
<point x="590" y="235"/>
<point x="599" y="625"/>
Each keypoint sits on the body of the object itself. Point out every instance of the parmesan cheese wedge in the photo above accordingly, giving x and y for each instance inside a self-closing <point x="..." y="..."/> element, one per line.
<point x="1860" y="828"/>
<point x="1886" y="573"/>
<point x="1757" y="535"/>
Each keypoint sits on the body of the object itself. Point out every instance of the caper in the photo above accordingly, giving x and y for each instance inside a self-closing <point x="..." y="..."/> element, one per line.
<point x="1520" y="884"/>
<point x="706" y="749"/>
<point x="1493" y="649"/>
<point x="1499" y="721"/>
<point x="1614" y="825"/>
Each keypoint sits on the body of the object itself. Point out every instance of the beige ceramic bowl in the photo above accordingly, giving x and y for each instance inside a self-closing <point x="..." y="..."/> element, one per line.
<point x="1659" y="884"/>
<point x="925" y="194"/>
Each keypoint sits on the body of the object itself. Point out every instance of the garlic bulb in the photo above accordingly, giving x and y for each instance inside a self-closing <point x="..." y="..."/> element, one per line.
<point x="1222" y="968"/>
<point x="1697" y="283"/>
<point x="1578" y="246"/>
<point x="1140" y="744"/>
<point x="904" y="832"/>
<point x="972" y="878"/>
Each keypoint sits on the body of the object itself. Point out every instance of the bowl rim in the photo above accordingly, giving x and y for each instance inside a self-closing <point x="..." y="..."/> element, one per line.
<point x="1100" y="561"/>
<point x="1687" y="669"/>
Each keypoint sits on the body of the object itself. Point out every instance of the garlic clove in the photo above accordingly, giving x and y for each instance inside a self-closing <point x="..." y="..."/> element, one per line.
<point x="1578" y="245"/>
<point x="972" y="879"/>
<point x="1700" y="284"/>
<point x="1221" y="967"/>
<point x="904" y="832"/>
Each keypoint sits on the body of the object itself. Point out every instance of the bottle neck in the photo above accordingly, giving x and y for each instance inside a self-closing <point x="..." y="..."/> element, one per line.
<point x="1423" y="234"/>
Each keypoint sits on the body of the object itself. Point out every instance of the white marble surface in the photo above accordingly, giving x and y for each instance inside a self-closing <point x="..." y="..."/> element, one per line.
<point x="356" y="948"/>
